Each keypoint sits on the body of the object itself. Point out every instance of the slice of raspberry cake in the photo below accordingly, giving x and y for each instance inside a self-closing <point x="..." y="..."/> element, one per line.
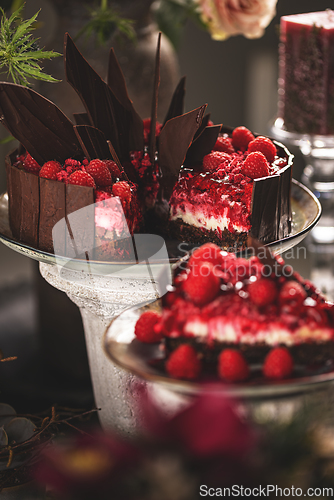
<point x="241" y="187"/>
<point x="232" y="312"/>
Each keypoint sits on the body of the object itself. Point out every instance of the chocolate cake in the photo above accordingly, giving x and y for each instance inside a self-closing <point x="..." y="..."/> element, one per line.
<point x="118" y="172"/>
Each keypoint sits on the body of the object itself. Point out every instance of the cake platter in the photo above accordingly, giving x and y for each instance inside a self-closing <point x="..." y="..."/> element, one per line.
<point x="306" y="212"/>
<point x="146" y="361"/>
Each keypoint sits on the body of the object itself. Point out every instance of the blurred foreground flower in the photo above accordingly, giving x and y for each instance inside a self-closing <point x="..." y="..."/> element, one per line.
<point x="207" y="442"/>
<point x="225" y="18"/>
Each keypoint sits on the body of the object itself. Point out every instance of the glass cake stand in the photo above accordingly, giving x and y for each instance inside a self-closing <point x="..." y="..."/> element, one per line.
<point x="102" y="290"/>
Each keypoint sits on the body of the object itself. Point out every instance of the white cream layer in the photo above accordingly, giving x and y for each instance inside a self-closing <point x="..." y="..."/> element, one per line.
<point x="197" y="218"/>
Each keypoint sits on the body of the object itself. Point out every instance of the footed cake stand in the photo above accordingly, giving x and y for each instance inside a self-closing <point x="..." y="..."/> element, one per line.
<point x="102" y="290"/>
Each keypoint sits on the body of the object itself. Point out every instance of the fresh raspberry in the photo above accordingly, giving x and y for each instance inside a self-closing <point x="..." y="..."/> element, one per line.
<point x="262" y="292"/>
<point x="62" y="176"/>
<point x="113" y="169"/>
<point x="202" y="285"/>
<point x="241" y="137"/>
<point x="232" y="366"/>
<point x="31" y="165"/>
<point x="100" y="173"/>
<point x="224" y="144"/>
<point x="209" y="252"/>
<point x="144" y="329"/>
<point x="263" y="145"/>
<point x="292" y="292"/>
<point x="70" y="162"/>
<point x="123" y="190"/>
<point x="50" y="170"/>
<point x="214" y="159"/>
<point x="278" y="364"/>
<point x="184" y="363"/>
<point x="102" y="195"/>
<point x="81" y="178"/>
<point x="255" y="165"/>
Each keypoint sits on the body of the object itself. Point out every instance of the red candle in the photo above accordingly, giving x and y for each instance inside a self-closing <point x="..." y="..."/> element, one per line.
<point x="306" y="73"/>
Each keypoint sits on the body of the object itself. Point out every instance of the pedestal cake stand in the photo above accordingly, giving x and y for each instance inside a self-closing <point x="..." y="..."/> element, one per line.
<point x="102" y="290"/>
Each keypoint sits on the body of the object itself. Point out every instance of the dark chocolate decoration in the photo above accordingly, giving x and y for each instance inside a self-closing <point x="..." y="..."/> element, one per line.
<point x="271" y="210"/>
<point x="23" y="191"/>
<point x="202" y="146"/>
<point x="116" y="82"/>
<point x="203" y="125"/>
<point x="152" y="140"/>
<point x="93" y="142"/>
<point x="176" y="107"/>
<point x="174" y="141"/>
<point x="103" y="108"/>
<point x="42" y="128"/>
<point x="80" y="221"/>
<point x="81" y="118"/>
<point x="52" y="210"/>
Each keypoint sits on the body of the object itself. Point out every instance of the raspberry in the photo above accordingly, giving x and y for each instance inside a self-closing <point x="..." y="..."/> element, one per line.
<point x="50" y="170"/>
<point x="263" y="145"/>
<point x="62" y="176"/>
<point x="123" y="190"/>
<point x="232" y="366"/>
<point x="278" y="364"/>
<point x="100" y="173"/>
<point x="292" y="292"/>
<point x="262" y="292"/>
<point x="113" y="169"/>
<point x="81" y="178"/>
<point x="224" y="144"/>
<point x="31" y="165"/>
<point x="70" y="162"/>
<point x="255" y="165"/>
<point x="214" y="159"/>
<point x="202" y="285"/>
<point x="144" y="329"/>
<point x="241" y="137"/>
<point x="184" y="363"/>
<point x="206" y="253"/>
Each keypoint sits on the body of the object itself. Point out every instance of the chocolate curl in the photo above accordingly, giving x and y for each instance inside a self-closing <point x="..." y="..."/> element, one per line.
<point x="29" y="117"/>
<point x="176" y="107"/>
<point x="152" y="142"/>
<point x="93" y="142"/>
<point x="116" y="160"/>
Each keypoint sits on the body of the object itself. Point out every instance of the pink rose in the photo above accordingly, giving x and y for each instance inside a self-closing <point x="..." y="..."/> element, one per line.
<point x="225" y="18"/>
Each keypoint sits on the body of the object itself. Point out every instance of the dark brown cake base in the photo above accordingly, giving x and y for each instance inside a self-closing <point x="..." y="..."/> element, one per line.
<point x="311" y="353"/>
<point x="179" y="230"/>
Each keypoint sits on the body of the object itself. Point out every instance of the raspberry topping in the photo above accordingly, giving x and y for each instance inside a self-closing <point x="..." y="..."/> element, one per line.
<point x="184" y="363"/>
<point x="255" y="165"/>
<point x="241" y="137"/>
<point x="232" y="366"/>
<point x="144" y="329"/>
<point x="31" y="165"/>
<point x="209" y="252"/>
<point x="224" y="144"/>
<point x="81" y="178"/>
<point x="113" y="169"/>
<point x="263" y="145"/>
<point x="213" y="160"/>
<point x="292" y="292"/>
<point x="50" y="170"/>
<point x="262" y="291"/>
<point x="123" y="190"/>
<point x="278" y="364"/>
<point x="100" y="173"/>
<point x="202" y="285"/>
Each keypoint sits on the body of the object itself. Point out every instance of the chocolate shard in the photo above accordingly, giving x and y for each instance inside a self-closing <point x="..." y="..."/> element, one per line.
<point x="81" y="119"/>
<point x="116" y="82"/>
<point x="29" y="117"/>
<point x="152" y="140"/>
<point x="104" y="110"/>
<point x="174" y="141"/>
<point x="202" y="146"/>
<point x="93" y="142"/>
<point x="52" y="209"/>
<point x="176" y="107"/>
<point x="204" y="124"/>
